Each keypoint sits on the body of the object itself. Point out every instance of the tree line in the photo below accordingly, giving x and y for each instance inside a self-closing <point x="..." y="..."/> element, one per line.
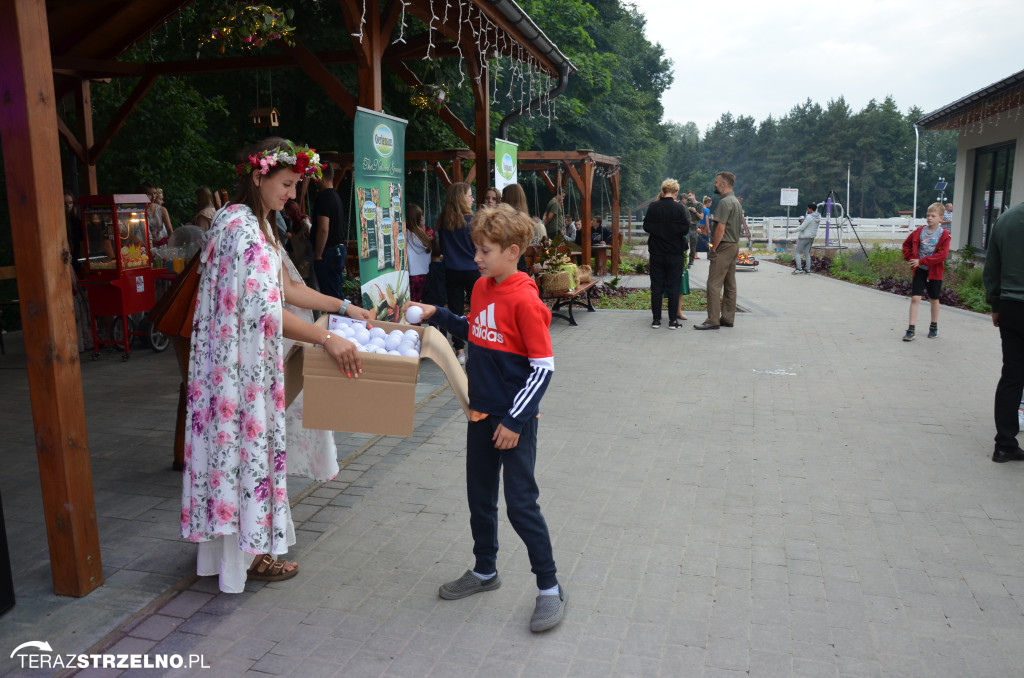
<point x="814" y="149"/>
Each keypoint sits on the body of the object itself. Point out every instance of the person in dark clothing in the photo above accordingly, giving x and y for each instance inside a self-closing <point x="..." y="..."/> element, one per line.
<point x="599" y="234"/>
<point x="668" y="225"/>
<point x="73" y="223"/>
<point x="1004" y="291"/>
<point x="329" y="250"/>
<point x="461" y="271"/>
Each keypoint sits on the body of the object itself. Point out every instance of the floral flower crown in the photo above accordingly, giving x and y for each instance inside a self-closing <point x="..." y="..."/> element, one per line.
<point x="304" y="161"/>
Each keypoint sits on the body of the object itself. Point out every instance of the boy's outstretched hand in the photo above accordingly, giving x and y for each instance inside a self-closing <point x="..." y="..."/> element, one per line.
<point x="504" y="439"/>
<point x="426" y="311"/>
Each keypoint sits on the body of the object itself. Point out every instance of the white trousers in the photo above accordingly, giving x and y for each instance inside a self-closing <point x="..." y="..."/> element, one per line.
<point x="222" y="557"/>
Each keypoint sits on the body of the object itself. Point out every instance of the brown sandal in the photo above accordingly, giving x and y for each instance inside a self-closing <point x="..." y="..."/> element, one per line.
<point x="268" y="569"/>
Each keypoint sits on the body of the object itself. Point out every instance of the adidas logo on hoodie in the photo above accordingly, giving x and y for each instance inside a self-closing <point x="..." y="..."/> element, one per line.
<point x="484" y="327"/>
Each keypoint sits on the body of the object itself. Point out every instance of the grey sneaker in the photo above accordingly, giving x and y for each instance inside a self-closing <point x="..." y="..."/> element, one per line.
<point x="549" y="611"/>
<point x="467" y="585"/>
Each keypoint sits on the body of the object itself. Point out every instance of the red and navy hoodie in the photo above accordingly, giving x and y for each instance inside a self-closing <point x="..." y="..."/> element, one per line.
<point x="509" y="361"/>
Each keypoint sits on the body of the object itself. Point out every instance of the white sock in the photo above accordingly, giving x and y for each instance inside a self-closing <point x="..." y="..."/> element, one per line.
<point x="550" y="592"/>
<point x="484" y="577"/>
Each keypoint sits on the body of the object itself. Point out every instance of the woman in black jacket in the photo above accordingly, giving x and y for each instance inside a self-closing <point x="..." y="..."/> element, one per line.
<point x="667" y="224"/>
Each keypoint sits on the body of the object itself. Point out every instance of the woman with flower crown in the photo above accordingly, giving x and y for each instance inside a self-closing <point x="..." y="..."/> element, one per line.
<point x="234" y="498"/>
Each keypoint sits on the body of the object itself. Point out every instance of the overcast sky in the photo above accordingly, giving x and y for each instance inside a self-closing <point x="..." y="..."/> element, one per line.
<point x="760" y="58"/>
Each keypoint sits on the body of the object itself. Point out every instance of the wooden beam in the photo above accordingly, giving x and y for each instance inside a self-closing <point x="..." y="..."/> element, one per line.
<point x="586" y="183"/>
<point x="547" y="181"/>
<point x="364" y="27"/>
<point x="392" y="12"/>
<point x="457" y="126"/>
<point x="28" y="128"/>
<point x="72" y="140"/>
<point x="83" y="107"/>
<point x="318" y="72"/>
<point x="442" y="175"/>
<point x="115" y="124"/>
<point x="615" y="218"/>
<point x="371" y="92"/>
<point x="479" y="77"/>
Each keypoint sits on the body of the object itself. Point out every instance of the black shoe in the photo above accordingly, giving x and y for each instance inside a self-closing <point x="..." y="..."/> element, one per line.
<point x="674" y="325"/>
<point x="909" y="336"/>
<point x="1003" y="456"/>
<point x="725" y="324"/>
<point x="705" y="326"/>
<point x="656" y="324"/>
<point x="933" y="333"/>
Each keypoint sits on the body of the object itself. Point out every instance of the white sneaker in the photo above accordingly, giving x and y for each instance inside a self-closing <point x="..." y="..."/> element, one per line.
<point x="462" y="359"/>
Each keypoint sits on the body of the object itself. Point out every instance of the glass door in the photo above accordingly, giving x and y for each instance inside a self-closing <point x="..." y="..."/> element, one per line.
<point x="990" y="195"/>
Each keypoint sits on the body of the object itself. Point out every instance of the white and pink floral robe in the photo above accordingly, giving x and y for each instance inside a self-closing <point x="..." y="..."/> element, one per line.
<point x="235" y="476"/>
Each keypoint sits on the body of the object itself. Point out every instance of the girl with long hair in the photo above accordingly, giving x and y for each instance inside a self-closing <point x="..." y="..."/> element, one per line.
<point x="204" y="208"/>
<point x="234" y="495"/>
<point x="459" y="252"/>
<point x="418" y="245"/>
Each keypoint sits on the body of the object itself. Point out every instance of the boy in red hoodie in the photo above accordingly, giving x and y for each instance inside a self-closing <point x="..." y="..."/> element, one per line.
<point x="926" y="249"/>
<point x="509" y="366"/>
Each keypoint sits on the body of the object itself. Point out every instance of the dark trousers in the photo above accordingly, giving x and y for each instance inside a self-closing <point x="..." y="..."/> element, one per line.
<point x="1011" y="383"/>
<point x="666" y="277"/>
<point x="459" y="287"/>
<point x="484" y="466"/>
<point x="330" y="271"/>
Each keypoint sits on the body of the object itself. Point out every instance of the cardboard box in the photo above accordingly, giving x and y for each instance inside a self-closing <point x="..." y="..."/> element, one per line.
<point x="383" y="398"/>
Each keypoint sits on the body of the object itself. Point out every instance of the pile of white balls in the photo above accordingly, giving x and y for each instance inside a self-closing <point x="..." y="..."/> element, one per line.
<point x="376" y="340"/>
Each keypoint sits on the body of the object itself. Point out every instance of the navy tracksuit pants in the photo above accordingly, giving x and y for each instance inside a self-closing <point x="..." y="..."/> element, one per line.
<point x="484" y="466"/>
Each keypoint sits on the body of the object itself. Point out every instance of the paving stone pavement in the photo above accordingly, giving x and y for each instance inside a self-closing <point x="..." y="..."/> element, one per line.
<point x="801" y="495"/>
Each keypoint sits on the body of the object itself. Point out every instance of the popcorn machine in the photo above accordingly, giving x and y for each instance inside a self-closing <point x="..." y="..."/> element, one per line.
<point x="117" y="273"/>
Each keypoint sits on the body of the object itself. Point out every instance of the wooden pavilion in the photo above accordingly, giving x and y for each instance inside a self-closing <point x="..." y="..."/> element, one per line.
<point x="555" y="169"/>
<point x="50" y="49"/>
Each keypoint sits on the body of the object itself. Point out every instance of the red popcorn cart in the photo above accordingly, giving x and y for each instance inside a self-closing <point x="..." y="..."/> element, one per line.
<point x="117" y="272"/>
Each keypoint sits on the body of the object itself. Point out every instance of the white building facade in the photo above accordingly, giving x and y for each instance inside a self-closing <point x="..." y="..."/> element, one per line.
<point x="990" y="157"/>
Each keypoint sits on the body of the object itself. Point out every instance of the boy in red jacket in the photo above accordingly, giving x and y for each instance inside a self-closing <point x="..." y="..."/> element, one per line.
<point x="509" y="368"/>
<point x="926" y="249"/>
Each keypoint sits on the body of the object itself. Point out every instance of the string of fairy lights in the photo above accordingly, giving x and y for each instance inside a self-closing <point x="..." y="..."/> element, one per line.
<point x="1006" y="107"/>
<point x="517" y="77"/>
<point x="527" y="81"/>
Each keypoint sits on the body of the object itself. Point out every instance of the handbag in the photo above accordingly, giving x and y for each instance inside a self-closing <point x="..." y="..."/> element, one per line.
<point x="174" y="312"/>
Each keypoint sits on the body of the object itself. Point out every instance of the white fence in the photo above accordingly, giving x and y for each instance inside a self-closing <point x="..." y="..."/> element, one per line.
<point x="773" y="229"/>
<point x="871" y="231"/>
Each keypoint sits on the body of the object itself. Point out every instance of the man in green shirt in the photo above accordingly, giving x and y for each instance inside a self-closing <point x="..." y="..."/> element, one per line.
<point x="1004" y="291"/>
<point x="553" y="217"/>
<point x="724" y="248"/>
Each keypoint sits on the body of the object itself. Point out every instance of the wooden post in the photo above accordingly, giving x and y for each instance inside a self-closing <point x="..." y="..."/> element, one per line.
<point x="613" y="184"/>
<point x="83" y="107"/>
<point x="364" y="23"/>
<point x="28" y="125"/>
<point x="479" y="76"/>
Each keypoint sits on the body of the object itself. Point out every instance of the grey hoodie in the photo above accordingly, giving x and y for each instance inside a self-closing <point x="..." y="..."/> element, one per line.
<point x="810" y="226"/>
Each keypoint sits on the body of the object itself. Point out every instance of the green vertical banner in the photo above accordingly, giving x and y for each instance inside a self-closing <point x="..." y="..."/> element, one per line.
<point x="506" y="163"/>
<point x="379" y="184"/>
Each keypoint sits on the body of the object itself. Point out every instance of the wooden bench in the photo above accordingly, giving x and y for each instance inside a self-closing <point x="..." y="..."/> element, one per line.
<point x="6" y="273"/>
<point x="580" y="296"/>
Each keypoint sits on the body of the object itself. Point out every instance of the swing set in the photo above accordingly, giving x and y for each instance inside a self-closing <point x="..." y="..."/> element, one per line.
<point x="576" y="174"/>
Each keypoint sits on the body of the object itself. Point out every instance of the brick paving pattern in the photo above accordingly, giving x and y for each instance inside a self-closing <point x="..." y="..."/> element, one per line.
<point x="801" y="495"/>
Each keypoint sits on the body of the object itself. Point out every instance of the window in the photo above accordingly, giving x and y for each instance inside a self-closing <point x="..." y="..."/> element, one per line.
<point x="990" y="195"/>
